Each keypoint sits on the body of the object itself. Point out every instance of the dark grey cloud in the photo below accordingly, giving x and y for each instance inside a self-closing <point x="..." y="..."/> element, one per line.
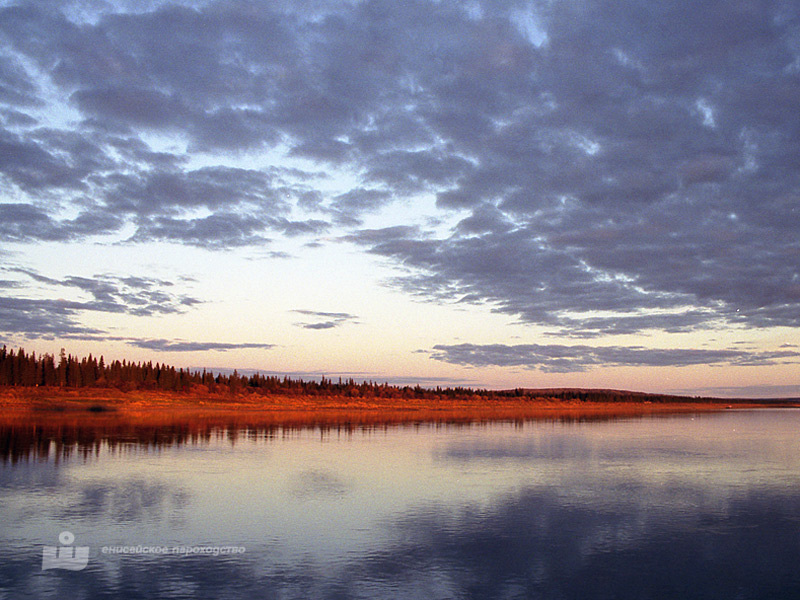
<point x="26" y="222"/>
<point x="244" y="205"/>
<point x="68" y="329"/>
<point x="14" y="118"/>
<point x="557" y="358"/>
<point x="212" y="188"/>
<point x="161" y="345"/>
<point x="216" y="231"/>
<point x="632" y="188"/>
<point x="126" y="83"/>
<point x="324" y="320"/>
<point x="626" y="324"/>
<point x="413" y="171"/>
<point x="28" y="164"/>
<point x="133" y="105"/>
<point x="320" y="325"/>
<point x="28" y="314"/>
<point x="17" y="87"/>
<point x="317" y="313"/>
<point x="134" y="151"/>
<point x="292" y="228"/>
<point x="140" y="296"/>
<point x="621" y="166"/>
<point x="361" y="200"/>
<point x="53" y="319"/>
<point x="515" y="270"/>
<point x="42" y="318"/>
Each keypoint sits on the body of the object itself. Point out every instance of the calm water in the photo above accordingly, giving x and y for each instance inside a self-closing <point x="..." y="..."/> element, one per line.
<point x="668" y="507"/>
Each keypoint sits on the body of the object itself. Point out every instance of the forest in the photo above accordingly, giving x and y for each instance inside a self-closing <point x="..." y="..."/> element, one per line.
<point x="19" y="368"/>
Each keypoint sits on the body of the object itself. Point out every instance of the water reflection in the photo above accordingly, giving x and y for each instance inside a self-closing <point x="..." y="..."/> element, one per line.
<point x="316" y="483"/>
<point x="61" y="435"/>
<point x="532" y="544"/>
<point x="680" y="507"/>
<point x="130" y="500"/>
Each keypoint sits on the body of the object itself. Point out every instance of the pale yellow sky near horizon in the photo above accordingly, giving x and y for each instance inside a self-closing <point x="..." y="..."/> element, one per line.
<point x="390" y="336"/>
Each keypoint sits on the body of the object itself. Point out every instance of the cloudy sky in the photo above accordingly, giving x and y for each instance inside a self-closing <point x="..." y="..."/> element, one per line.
<point x="492" y="193"/>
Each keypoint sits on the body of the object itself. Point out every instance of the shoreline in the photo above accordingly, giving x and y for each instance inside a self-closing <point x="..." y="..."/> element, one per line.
<point x="104" y="405"/>
<point x="43" y="424"/>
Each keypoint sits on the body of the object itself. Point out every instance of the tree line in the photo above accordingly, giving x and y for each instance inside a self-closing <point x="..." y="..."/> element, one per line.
<point x="19" y="368"/>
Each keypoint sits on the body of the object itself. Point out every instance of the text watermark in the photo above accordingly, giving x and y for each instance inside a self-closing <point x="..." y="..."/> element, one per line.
<point x="174" y="550"/>
<point x="75" y="558"/>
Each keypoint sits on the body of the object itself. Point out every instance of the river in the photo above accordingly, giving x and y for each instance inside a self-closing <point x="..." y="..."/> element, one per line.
<point x="684" y="506"/>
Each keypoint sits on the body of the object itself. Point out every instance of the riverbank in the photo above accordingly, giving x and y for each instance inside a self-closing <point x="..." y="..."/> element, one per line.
<point x="109" y="404"/>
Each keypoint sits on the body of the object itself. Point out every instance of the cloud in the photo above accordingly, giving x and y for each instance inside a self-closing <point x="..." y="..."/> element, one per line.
<point x="316" y="313"/>
<point x="212" y="188"/>
<point x="140" y="296"/>
<point x="17" y="88"/>
<point x="297" y="228"/>
<point x="217" y="231"/>
<point x="624" y="196"/>
<point x="321" y="325"/>
<point x="419" y="170"/>
<point x="133" y="105"/>
<point x="325" y="320"/>
<point x="47" y="317"/>
<point x="26" y="223"/>
<point x="611" y="176"/>
<point x="361" y="200"/>
<point x="153" y="344"/>
<point x="557" y="358"/>
<point x="42" y="318"/>
<point x="749" y="391"/>
<point x="161" y="345"/>
<point x="35" y="167"/>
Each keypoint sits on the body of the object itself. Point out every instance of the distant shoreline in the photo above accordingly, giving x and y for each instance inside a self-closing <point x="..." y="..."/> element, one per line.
<point x="45" y="384"/>
<point x="37" y="422"/>
<point x="142" y="405"/>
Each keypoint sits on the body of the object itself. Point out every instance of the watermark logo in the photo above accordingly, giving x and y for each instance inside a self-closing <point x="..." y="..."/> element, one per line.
<point x="75" y="558"/>
<point x="66" y="556"/>
<point x="175" y="550"/>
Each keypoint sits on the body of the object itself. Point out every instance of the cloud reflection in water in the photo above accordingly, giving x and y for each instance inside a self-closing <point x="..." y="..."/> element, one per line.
<point x="657" y="508"/>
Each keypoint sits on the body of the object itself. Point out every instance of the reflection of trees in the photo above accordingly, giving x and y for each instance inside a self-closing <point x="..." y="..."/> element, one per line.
<point x="61" y="439"/>
<point x="53" y="435"/>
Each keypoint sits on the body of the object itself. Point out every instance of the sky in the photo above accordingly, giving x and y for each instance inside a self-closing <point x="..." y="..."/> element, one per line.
<point x="498" y="193"/>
